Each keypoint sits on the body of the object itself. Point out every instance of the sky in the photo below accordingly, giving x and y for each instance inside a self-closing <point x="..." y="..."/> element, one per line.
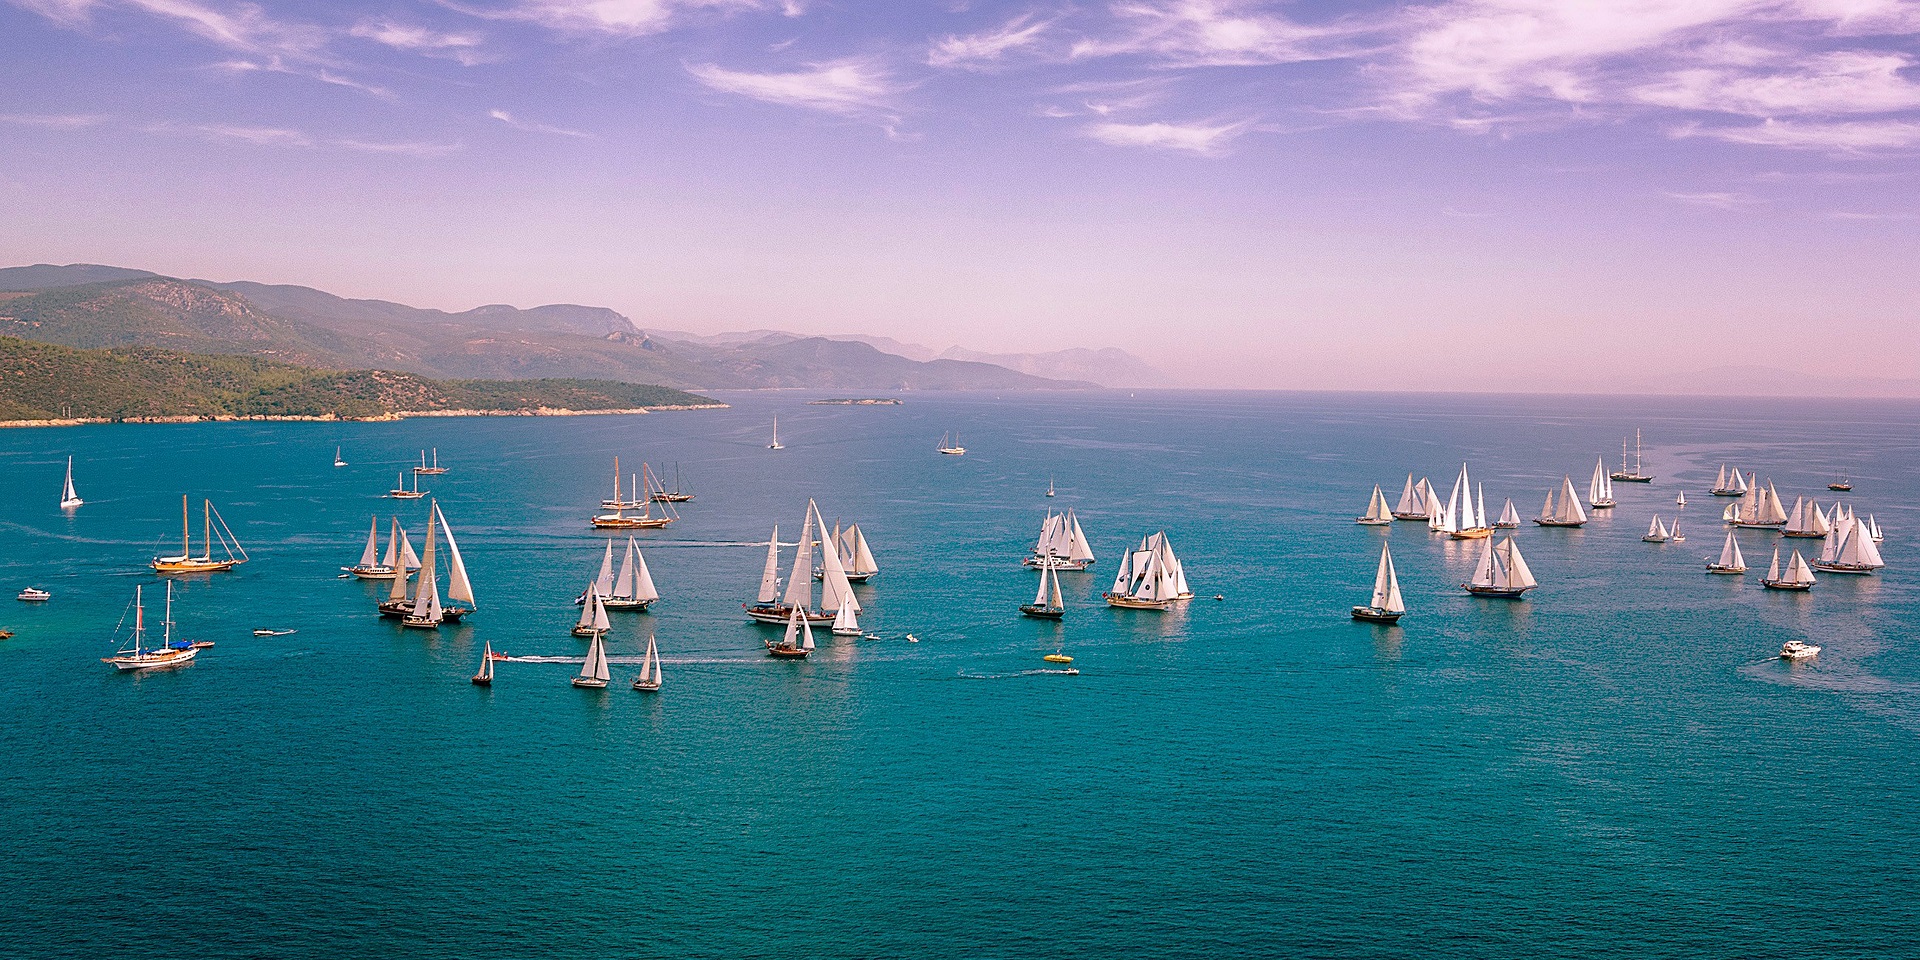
<point x="1456" y="194"/>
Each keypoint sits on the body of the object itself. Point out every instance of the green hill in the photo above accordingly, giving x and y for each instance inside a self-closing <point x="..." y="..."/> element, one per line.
<point x="40" y="381"/>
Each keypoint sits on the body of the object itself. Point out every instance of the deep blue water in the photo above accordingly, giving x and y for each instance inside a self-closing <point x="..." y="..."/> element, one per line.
<point x="1613" y="767"/>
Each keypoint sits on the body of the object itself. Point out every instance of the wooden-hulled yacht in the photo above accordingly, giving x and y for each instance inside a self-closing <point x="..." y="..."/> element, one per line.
<point x="215" y="528"/>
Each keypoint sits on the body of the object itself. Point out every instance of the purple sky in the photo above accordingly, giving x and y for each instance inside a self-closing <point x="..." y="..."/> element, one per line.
<point x="1249" y="194"/>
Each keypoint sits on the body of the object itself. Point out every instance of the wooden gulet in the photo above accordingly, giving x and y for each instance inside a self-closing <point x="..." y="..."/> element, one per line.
<point x="186" y="562"/>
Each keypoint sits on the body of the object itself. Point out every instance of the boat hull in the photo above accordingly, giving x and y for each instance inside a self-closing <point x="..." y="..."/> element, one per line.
<point x="166" y="565"/>
<point x="1376" y="615"/>
<point x="1373" y="521"/>
<point x="589" y="683"/>
<point x="1411" y="516"/>
<point x="1497" y="593"/>
<point x="629" y="523"/>
<point x="431" y="471"/>
<point x="647" y="686"/>
<point x="483" y="681"/>
<point x="787" y="653"/>
<point x="373" y="573"/>
<point x="613" y="603"/>
<point x="672" y="497"/>
<point x="173" y="659"/>
<point x="1056" y="563"/>
<point x="1785" y="585"/>
<point x="1842" y="487"/>
<point x="585" y="633"/>
<point x="1560" y="523"/>
<point x="402" y="609"/>
<point x="1842" y="567"/>
<point x="1129" y="603"/>
<point x="1745" y="525"/>
<point x="1602" y="504"/>
<point x="1725" y="571"/>
<point x="1475" y="533"/>
<point x="421" y="623"/>
<point x="1042" y="613"/>
<point x="406" y="494"/>
<point x="778" y="616"/>
<point x="1629" y="478"/>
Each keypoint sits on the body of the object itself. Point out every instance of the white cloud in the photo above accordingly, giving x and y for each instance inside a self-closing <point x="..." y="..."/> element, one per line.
<point x="518" y="124"/>
<point x="463" y="48"/>
<point x="851" y="86"/>
<point x="1832" y="83"/>
<point x="1205" y="139"/>
<point x="60" y="11"/>
<point x="53" y="121"/>
<point x="980" y="49"/>
<point x="630" y="18"/>
<point x="1194" y="33"/>
<point x="258" y="136"/>
<point x="1717" y="200"/>
<point x="1854" y="136"/>
<point x="400" y="148"/>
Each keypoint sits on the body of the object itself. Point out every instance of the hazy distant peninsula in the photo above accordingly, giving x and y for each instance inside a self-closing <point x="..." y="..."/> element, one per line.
<point x="45" y="384"/>
<point x="857" y="402"/>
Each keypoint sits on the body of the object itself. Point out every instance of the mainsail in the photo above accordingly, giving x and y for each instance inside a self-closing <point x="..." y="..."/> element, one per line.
<point x="459" y="588"/>
<point x="1386" y="585"/>
<point x="770" y="575"/>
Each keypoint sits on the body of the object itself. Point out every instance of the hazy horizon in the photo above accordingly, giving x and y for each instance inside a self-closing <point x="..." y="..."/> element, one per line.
<point x="1540" y="194"/>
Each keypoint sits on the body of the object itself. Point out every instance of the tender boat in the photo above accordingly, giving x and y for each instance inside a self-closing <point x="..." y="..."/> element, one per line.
<point x="798" y="641"/>
<point x="434" y="470"/>
<point x="1046" y="604"/>
<point x="1796" y="650"/>
<point x="1386" y="605"/>
<point x="649" y="680"/>
<point x="485" y="677"/>
<point x="1730" y="561"/>
<point x="269" y="632"/>
<point x="34" y="595"/>
<point x="593" y="673"/>
<point x="1638" y="474"/>
<point x="185" y="562"/>
<point x="68" y="498"/>
<point x="400" y="490"/>
<point x="170" y="653"/>
<point x="1502" y="572"/>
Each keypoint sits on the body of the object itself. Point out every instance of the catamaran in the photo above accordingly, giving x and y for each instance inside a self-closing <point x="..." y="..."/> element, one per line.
<point x="1047" y="604"/>
<point x="633" y="589"/>
<point x="1415" y="500"/>
<point x="1806" y="519"/>
<point x="1062" y="544"/>
<point x="1638" y="474"/>
<point x="336" y="458"/>
<point x="399" y="556"/>
<point x="593" y="616"/>
<point x="485" y="677"/>
<point x="593" y="673"/>
<point x="1760" y="507"/>
<point x="1566" y="512"/>
<point x="650" y="678"/>
<point x="951" y="447"/>
<point x="1502" y="572"/>
<point x="618" y="519"/>
<point x="1509" y="517"/>
<point x="215" y="526"/>
<point x="776" y="444"/>
<point x="1730" y="562"/>
<point x="1849" y="549"/>
<point x="436" y="469"/>
<point x="798" y="641"/>
<point x="400" y="490"/>
<point x="170" y="653"/>
<point x="1729" y="483"/>
<point x="1386" y="606"/>
<point x="1798" y="577"/>
<point x="423" y="603"/>
<point x="1657" y="532"/>
<point x="835" y="589"/>
<point x="68" y="498"/>
<point x="1378" y="513"/>
<point x="677" y="495"/>
<point x="1600" y="490"/>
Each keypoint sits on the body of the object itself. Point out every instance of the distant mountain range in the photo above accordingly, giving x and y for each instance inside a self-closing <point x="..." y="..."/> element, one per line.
<point x="93" y="306"/>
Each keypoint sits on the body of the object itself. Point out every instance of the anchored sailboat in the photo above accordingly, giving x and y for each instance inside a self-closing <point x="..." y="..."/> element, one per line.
<point x="650" y="678"/>
<point x="1849" y="549"/>
<point x="1502" y="572"/>
<point x="1047" y="604"/>
<point x="68" y="498"/>
<point x="1564" y="513"/>
<point x="1378" y="513"/>
<point x="400" y="490"/>
<point x="798" y="641"/>
<point x="618" y="519"/>
<point x="1386" y="606"/>
<point x="1730" y="562"/>
<point x="1638" y="474"/>
<point x="216" y="528"/>
<point x="677" y="495"/>
<point x="170" y="653"/>
<point x="1600" y="490"/>
<point x="951" y="447"/>
<point x="434" y="470"/>
<point x="1798" y="576"/>
<point x="593" y="673"/>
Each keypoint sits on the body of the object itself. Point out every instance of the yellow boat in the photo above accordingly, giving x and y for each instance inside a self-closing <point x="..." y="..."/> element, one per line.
<point x="1058" y="658"/>
<point x="186" y="562"/>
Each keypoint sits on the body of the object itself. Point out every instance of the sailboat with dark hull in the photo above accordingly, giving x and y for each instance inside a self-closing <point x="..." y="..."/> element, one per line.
<point x="1047" y="603"/>
<point x="422" y="604"/>
<point x="1639" y="472"/>
<point x="1386" y="605"/>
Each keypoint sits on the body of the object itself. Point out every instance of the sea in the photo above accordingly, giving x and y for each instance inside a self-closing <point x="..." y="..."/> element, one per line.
<point x="1616" y="766"/>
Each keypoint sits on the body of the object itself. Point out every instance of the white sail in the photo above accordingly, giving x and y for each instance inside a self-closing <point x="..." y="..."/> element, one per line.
<point x="623" y="583"/>
<point x="643" y="588"/>
<point x="1750" y="498"/>
<point x="806" y="634"/>
<point x="1798" y="571"/>
<point x="794" y="620"/>
<point x="1123" y="577"/>
<point x="1377" y="509"/>
<point x="398" y="591"/>
<point x="596" y="666"/>
<point x="1773" y="569"/>
<point x="800" y="581"/>
<point x="835" y="590"/>
<point x="407" y="556"/>
<point x="372" y="552"/>
<point x="1509" y="517"/>
<point x="1519" y="575"/>
<point x="459" y="588"/>
<point x="1043" y="547"/>
<point x="68" y="498"/>
<point x="1855" y="547"/>
<point x="1386" y="585"/>
<point x="846" y="622"/>
<point x="1731" y="513"/>
<point x="1484" y="574"/>
<point x="603" y="584"/>
<point x="1479" y="508"/>
<point x="1655" y="530"/>
<point x="1053" y="596"/>
<point x="1673" y="532"/>
<point x="1412" y="499"/>
<point x="1730" y="554"/>
<point x="1077" y="548"/>
<point x="1774" y="511"/>
<point x="393" y="545"/>
<point x="1720" y="480"/>
<point x="1458" y="502"/>
<point x="426" y="598"/>
<point x="653" y="654"/>
<point x="1600" y="491"/>
<point x="1170" y="565"/>
<point x="1040" y="595"/>
<point x="1873" y="530"/>
<point x="1739" y="482"/>
<point x="1566" y="508"/>
<point x="863" y="562"/>
<point x="770" y="575"/>
<point x="587" y="608"/>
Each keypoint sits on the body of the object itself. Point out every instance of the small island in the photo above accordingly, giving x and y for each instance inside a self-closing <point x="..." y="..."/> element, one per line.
<point x="858" y="402"/>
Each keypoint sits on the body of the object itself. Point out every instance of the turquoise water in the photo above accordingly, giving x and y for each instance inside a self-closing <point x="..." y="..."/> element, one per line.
<point x="1614" y="767"/>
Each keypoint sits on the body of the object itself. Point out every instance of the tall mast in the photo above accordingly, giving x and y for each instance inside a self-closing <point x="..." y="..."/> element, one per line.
<point x="186" y="539"/>
<point x="206" y="522"/>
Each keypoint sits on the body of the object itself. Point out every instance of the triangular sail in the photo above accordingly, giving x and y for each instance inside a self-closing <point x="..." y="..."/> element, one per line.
<point x="1410" y="499"/>
<point x="587" y="608"/>
<point x="846" y="621"/>
<point x="1509" y="517"/>
<point x="407" y="556"/>
<point x="836" y="590"/>
<point x="1519" y="576"/>
<point x="623" y="584"/>
<point x="1601" y="489"/>
<point x="643" y="588"/>
<point x="596" y="666"/>
<point x="800" y="581"/>
<point x="600" y="623"/>
<point x="1773" y="569"/>
<point x="1720" y="481"/>
<point x="1798" y="571"/>
<point x="1479" y="508"/>
<point x="770" y="575"/>
<point x="1377" y="509"/>
<point x="1077" y="548"/>
<point x="603" y="584"/>
<point x="1053" y="596"/>
<point x="372" y="552"/>
<point x="806" y="634"/>
<point x="426" y="598"/>
<point x="863" y="562"/>
<point x="1386" y="586"/>
<point x="67" y="495"/>
<point x="1040" y="595"/>
<point x="459" y="588"/>
<point x="398" y="591"/>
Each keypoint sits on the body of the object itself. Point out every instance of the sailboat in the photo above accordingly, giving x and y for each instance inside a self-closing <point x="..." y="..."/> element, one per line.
<point x="629" y="502"/>
<point x="1638" y="474"/>
<point x="170" y="653"/>
<point x="1760" y="507"/>
<point x="1143" y="582"/>
<point x="1466" y="514"/>
<point x="1728" y="483"/>
<point x="1176" y="572"/>
<point x="1730" y="562"/>
<point x="403" y="604"/>
<point x="835" y="588"/>
<point x="215" y="526"/>
<point x="677" y="495"/>
<point x="373" y="566"/>
<point x="434" y="470"/>
<point x="633" y="589"/>
<point x="776" y="444"/>
<point x="336" y="458"/>
<point x="618" y="519"/>
<point x="1673" y="533"/>
<point x="1047" y="604"/>
<point x="846" y="621"/>
<point x="68" y="498"/>
<point x="485" y="677"/>
<point x="1681" y="500"/>
<point x="593" y="616"/>
<point x="1600" y="490"/>
<point x="1378" y="513"/>
<point x="400" y="491"/>
<point x="1062" y="544"/>
<point x="649" y="679"/>
<point x="427" y="612"/>
<point x="593" y="673"/>
<point x="1873" y="530"/>
<point x="1566" y="512"/>
<point x="1509" y="517"/>
<point x="798" y="641"/>
<point x="951" y="447"/>
<point x="1849" y="549"/>
<point x="1798" y="576"/>
<point x="1386" y="606"/>
<point x="1502" y="572"/>
<point x="1806" y="519"/>
<point x="1657" y="532"/>
<point x="1049" y="486"/>
<point x="1414" y="500"/>
<point x="1843" y="484"/>
<point x="855" y="556"/>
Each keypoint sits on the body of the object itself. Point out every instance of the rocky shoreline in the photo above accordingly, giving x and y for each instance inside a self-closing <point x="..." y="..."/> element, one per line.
<point x="382" y="418"/>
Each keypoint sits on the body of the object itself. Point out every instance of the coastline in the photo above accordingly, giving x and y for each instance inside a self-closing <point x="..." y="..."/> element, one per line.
<point x="382" y="418"/>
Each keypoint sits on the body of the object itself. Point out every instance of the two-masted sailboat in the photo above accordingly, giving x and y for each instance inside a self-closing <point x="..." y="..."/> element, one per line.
<point x="1729" y="483"/>
<point x="1730" y="561"/>
<point x="1465" y="517"/>
<point x="1378" y="512"/>
<point x="1149" y="578"/>
<point x="1386" y="606"/>
<point x="1806" y="519"/>
<point x="835" y="589"/>
<point x="1564" y="512"/>
<point x="170" y="653"/>
<point x="68" y="498"/>
<point x="637" y="499"/>
<point x="593" y="616"/>
<point x="1502" y="572"/>
<point x="593" y="673"/>
<point x="1760" y="507"/>
<point x="1849" y="548"/>
<point x="401" y="491"/>
<point x="1657" y="532"/>
<point x="1797" y="577"/>
<point x="650" y="677"/>
<point x="421" y="607"/>
<point x="399" y="556"/>
<point x="798" y="641"/>
<point x="1416" y="500"/>
<point x="1600" y="489"/>
<point x="951" y="446"/>
<point x="676" y="495"/>
<point x="1047" y="603"/>
<point x="436" y="469"/>
<point x="855" y="555"/>
<point x="633" y="589"/>
<point x="1639" y="473"/>
<point x="1062" y="544"/>
<point x="1509" y="517"/>
<point x="216" y="532"/>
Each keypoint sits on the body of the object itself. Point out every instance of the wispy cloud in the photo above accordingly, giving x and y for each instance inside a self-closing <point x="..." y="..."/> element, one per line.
<point x="626" y="18"/>
<point x="1844" y="137"/>
<point x="1717" y="200"/>
<point x="1195" y="33"/>
<point x="855" y="85"/>
<point x="1843" y="82"/>
<point x="1200" y="138"/>
<point x="258" y="136"/>
<point x="399" y="148"/>
<point x="984" y="49"/>
<point x="1870" y="217"/>
<point x="519" y="124"/>
<point x="463" y="48"/>
<point x="53" y="121"/>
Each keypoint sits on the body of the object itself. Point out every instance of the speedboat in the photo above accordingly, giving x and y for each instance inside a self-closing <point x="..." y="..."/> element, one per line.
<point x="1795" y="650"/>
<point x="34" y="595"/>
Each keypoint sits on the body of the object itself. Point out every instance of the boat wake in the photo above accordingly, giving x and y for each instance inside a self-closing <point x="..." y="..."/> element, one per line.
<point x="1069" y="672"/>
<point x="665" y="660"/>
